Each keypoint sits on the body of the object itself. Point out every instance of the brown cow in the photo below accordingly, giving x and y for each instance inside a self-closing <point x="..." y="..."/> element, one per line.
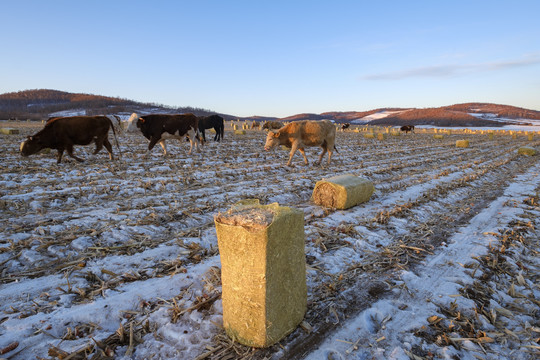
<point x="407" y="128"/>
<point x="159" y="127"/>
<point x="62" y="133"/>
<point x="272" y="125"/>
<point x="300" y="134"/>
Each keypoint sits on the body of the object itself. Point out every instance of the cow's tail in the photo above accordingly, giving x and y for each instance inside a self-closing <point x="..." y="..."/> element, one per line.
<point x="222" y="129"/>
<point x="335" y="148"/>
<point x="115" y="138"/>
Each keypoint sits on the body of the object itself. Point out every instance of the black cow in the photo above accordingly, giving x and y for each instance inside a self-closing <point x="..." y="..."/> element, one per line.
<point x="61" y="133"/>
<point x="212" y="121"/>
<point x="407" y="128"/>
<point x="159" y="127"/>
<point x="345" y="126"/>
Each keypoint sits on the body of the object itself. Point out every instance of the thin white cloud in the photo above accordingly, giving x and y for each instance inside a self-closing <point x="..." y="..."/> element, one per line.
<point x="439" y="71"/>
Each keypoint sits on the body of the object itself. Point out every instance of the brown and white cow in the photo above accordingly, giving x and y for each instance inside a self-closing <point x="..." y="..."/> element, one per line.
<point x="61" y="133"/>
<point x="300" y="134"/>
<point x="159" y="127"/>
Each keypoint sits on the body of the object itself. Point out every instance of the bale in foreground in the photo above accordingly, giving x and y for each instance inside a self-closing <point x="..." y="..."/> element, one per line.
<point x="263" y="271"/>
<point x="342" y="192"/>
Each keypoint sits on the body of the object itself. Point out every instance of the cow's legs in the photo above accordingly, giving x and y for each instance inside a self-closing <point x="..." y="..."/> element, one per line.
<point x="69" y="149"/>
<point x="294" y="147"/>
<point x="162" y="143"/>
<point x="99" y="144"/>
<point x="59" y="155"/>
<point x="108" y="146"/>
<point x="304" y="155"/>
<point x="192" y="140"/>
<point x="322" y="154"/>
<point x="203" y="136"/>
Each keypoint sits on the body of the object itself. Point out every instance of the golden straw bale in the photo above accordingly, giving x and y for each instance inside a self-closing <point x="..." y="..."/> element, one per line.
<point x="381" y="136"/>
<point x="342" y="192"/>
<point x="527" y="150"/>
<point x="462" y="143"/>
<point x="263" y="271"/>
<point x="530" y="136"/>
<point x="9" y="131"/>
<point x="438" y="136"/>
<point x="240" y="132"/>
<point x="369" y="135"/>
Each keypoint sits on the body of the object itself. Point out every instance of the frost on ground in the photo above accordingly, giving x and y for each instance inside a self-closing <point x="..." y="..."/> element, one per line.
<point x="119" y="258"/>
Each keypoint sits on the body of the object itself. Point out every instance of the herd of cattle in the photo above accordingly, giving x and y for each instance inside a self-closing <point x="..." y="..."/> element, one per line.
<point x="62" y="133"/>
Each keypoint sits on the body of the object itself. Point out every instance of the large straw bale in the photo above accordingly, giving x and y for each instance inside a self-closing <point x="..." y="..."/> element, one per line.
<point x="462" y="143"/>
<point x="263" y="271"/>
<point x="342" y="192"/>
<point x="527" y="150"/>
<point x="9" y="131"/>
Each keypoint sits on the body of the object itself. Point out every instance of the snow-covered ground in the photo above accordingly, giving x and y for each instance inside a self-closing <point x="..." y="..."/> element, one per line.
<point x="441" y="263"/>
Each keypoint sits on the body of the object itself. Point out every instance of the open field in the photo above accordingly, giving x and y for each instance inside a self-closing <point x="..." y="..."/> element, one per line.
<point x="120" y="257"/>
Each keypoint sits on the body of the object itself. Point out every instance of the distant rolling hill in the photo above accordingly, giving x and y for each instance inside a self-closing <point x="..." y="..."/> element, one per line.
<point x="42" y="103"/>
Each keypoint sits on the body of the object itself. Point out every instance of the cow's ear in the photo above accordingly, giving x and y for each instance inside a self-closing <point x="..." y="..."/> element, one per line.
<point x="30" y="138"/>
<point x="275" y="134"/>
<point x="141" y="120"/>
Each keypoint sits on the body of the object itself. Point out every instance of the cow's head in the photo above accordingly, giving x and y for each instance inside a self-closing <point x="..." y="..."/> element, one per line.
<point x="272" y="140"/>
<point x="31" y="146"/>
<point x="140" y="122"/>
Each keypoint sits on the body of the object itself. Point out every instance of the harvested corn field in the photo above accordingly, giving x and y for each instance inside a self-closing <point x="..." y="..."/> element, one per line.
<point x="119" y="259"/>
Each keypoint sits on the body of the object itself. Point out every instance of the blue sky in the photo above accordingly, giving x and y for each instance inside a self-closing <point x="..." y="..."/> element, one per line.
<point x="276" y="58"/>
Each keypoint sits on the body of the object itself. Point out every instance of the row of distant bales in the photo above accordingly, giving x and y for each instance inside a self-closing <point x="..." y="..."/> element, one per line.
<point x="381" y="132"/>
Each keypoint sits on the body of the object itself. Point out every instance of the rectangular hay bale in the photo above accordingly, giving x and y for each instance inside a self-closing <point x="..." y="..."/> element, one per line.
<point x="9" y="131"/>
<point x="342" y="192"/>
<point x="263" y="271"/>
<point x="462" y="143"/>
<point x="527" y="150"/>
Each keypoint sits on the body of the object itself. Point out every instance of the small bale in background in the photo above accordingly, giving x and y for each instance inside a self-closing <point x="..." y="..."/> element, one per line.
<point x="381" y="136"/>
<point x="9" y="131"/>
<point x="527" y="150"/>
<point x="342" y="192"/>
<point x="240" y="132"/>
<point x="438" y="136"/>
<point x="462" y="143"/>
<point x="369" y="136"/>
<point x="530" y="136"/>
